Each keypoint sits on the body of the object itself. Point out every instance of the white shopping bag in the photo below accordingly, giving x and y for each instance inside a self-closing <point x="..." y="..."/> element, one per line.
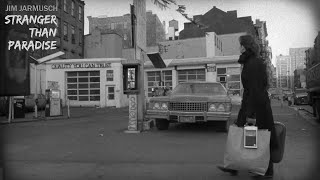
<point x="238" y="157"/>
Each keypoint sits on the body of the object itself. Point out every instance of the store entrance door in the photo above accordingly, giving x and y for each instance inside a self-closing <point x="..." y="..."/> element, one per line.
<point x="110" y="96"/>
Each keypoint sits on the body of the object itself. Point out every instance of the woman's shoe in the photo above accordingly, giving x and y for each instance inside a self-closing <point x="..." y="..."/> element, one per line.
<point x="231" y="171"/>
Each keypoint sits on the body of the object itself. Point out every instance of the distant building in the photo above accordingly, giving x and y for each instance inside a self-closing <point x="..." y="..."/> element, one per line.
<point x="298" y="61"/>
<point x="219" y="22"/>
<point x="283" y="69"/>
<point x="299" y="78"/>
<point x="122" y="24"/>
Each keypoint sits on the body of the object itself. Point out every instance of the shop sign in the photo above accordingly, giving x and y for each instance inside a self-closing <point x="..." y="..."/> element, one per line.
<point x="211" y="68"/>
<point x="80" y="65"/>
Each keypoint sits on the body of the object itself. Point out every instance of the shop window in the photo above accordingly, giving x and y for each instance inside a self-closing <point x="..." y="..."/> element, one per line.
<point x="191" y="75"/>
<point x="109" y="75"/>
<point x="221" y="70"/>
<point x="83" y="85"/>
<point x="154" y="79"/>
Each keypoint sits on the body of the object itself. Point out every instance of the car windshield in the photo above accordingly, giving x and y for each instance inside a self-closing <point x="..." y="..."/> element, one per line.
<point x="199" y="88"/>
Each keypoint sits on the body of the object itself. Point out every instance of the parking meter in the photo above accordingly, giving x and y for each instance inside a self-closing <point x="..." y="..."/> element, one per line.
<point x="130" y="78"/>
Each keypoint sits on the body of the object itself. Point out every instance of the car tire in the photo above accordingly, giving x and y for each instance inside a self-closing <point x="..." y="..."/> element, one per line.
<point x="162" y="124"/>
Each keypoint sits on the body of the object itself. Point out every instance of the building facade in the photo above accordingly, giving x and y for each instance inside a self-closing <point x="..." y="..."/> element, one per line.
<point x="283" y="69"/>
<point x="219" y="22"/>
<point x="70" y="35"/>
<point x="88" y="82"/>
<point x="155" y="31"/>
<point x="103" y="45"/>
<point x="298" y="61"/>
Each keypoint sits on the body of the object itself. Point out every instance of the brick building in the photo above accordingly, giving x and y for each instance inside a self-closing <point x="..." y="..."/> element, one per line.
<point x="219" y="22"/>
<point x="71" y="28"/>
<point x="122" y="24"/>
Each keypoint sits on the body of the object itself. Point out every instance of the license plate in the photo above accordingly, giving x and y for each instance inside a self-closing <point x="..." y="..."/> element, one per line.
<point x="187" y="119"/>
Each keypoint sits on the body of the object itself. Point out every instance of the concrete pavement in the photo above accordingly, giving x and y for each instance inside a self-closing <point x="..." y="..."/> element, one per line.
<point x="93" y="145"/>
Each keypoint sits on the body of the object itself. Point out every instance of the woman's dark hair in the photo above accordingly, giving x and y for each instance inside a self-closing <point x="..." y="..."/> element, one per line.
<point x="250" y="44"/>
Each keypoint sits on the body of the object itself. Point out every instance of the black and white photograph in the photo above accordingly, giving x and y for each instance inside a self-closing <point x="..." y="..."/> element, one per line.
<point x="159" y="89"/>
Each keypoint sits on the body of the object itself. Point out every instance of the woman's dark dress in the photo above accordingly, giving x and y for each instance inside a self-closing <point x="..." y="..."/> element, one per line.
<point x="255" y="99"/>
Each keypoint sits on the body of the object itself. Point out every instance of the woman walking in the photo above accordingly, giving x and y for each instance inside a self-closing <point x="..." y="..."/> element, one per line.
<point x="255" y="101"/>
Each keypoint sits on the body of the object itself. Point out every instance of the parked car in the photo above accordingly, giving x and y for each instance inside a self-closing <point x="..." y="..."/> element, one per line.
<point x="30" y="102"/>
<point x="191" y="102"/>
<point x="300" y="97"/>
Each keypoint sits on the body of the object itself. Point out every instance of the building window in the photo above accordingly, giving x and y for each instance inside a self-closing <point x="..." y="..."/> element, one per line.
<point x="58" y="3"/>
<point x="154" y="80"/>
<point x="83" y="86"/>
<point x="72" y="8"/>
<point x="191" y="75"/>
<point x="65" y="31"/>
<point x="112" y="25"/>
<point x="109" y="75"/>
<point x="80" y="37"/>
<point x="230" y="78"/>
<point x="73" y="38"/>
<point x="125" y="37"/>
<point x="80" y="13"/>
<point x="65" y="5"/>
<point x="111" y="93"/>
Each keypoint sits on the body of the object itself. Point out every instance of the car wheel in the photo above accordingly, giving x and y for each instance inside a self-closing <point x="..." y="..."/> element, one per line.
<point x="162" y="124"/>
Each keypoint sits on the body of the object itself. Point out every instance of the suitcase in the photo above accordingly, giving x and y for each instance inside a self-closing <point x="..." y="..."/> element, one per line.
<point x="280" y="133"/>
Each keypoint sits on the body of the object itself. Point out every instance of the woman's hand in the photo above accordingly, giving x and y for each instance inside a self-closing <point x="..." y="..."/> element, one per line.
<point x="251" y="121"/>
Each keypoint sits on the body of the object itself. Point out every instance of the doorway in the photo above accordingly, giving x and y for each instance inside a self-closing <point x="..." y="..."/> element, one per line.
<point x="110" y="96"/>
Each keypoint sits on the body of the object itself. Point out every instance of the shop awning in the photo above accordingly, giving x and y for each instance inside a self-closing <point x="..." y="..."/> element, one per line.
<point x="156" y="60"/>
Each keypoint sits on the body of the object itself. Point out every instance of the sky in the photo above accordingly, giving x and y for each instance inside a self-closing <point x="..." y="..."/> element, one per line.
<point x="290" y="23"/>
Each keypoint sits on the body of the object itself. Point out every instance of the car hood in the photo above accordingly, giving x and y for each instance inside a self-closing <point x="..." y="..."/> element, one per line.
<point x="194" y="98"/>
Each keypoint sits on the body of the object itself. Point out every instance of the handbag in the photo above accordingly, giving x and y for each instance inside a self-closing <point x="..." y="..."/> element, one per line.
<point x="238" y="157"/>
<point x="280" y="137"/>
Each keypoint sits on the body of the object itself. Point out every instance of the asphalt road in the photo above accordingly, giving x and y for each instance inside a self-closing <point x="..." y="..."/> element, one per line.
<point x="93" y="145"/>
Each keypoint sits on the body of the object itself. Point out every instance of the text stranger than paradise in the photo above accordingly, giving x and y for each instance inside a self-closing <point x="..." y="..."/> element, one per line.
<point x="38" y="32"/>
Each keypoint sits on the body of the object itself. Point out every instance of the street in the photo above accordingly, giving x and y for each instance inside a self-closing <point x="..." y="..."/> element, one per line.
<point x="92" y="145"/>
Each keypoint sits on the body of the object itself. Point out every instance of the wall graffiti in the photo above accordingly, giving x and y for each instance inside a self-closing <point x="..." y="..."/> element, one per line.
<point x="133" y="118"/>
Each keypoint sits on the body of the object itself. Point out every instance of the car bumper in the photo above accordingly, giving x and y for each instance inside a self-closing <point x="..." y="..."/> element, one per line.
<point x="198" y="116"/>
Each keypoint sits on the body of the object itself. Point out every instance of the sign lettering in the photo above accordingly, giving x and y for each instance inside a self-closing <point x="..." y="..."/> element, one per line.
<point x="80" y="65"/>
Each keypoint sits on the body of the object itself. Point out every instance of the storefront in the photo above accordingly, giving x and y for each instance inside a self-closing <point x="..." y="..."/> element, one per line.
<point x="224" y="69"/>
<point x="88" y="82"/>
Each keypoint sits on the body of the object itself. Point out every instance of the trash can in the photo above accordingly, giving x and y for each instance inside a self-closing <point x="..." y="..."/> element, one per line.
<point x="19" y="107"/>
